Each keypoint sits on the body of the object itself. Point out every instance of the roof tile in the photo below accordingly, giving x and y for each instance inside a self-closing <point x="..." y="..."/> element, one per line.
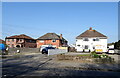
<point x="90" y="33"/>
<point x="20" y="36"/>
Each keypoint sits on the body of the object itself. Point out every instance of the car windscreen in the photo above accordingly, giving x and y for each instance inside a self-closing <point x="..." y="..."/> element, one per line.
<point x="111" y="49"/>
<point x="50" y="47"/>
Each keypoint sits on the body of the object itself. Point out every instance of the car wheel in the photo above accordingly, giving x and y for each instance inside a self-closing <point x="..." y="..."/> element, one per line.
<point x="44" y="51"/>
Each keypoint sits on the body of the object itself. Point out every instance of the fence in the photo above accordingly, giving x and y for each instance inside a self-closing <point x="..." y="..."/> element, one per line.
<point x="57" y="51"/>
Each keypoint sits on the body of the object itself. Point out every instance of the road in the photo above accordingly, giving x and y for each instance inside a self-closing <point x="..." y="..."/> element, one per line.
<point x="43" y="65"/>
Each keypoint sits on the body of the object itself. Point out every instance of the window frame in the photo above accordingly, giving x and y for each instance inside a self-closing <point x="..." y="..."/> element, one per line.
<point x="85" y="39"/>
<point x="41" y="41"/>
<point x="12" y="40"/>
<point x="96" y="39"/>
<point x="12" y="45"/>
<point x="54" y="40"/>
<point x="21" y="40"/>
<point x="8" y="40"/>
<point x="86" y="46"/>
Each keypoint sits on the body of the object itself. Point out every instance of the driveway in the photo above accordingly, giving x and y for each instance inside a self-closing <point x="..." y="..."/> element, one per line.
<point x="43" y="65"/>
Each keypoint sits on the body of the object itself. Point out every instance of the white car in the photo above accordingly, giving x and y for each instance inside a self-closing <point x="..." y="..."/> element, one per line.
<point x="111" y="51"/>
<point x="43" y="46"/>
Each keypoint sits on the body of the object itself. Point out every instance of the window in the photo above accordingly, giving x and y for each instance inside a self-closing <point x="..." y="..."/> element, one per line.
<point x="30" y="40"/>
<point x="41" y="41"/>
<point x="12" y="40"/>
<point x="12" y="45"/>
<point x="20" y="40"/>
<point x="96" y="39"/>
<point x="86" y="39"/>
<point x="86" y="46"/>
<point x="8" y="40"/>
<point x="93" y="39"/>
<point x="78" y="45"/>
<point x="53" y="40"/>
<point x="9" y="45"/>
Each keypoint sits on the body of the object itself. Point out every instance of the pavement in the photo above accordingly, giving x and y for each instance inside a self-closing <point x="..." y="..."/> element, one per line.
<point x="42" y="65"/>
<point x="75" y="53"/>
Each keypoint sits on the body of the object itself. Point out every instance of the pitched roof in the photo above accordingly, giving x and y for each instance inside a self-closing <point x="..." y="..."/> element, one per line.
<point x="23" y="36"/>
<point x="48" y="36"/>
<point x="91" y="33"/>
<point x="2" y="41"/>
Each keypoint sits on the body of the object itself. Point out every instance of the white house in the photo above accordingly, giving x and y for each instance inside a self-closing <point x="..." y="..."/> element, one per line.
<point x="91" y="40"/>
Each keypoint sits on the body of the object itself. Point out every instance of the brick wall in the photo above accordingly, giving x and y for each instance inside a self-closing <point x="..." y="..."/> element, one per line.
<point x="11" y="42"/>
<point x="46" y="42"/>
<point x="22" y="43"/>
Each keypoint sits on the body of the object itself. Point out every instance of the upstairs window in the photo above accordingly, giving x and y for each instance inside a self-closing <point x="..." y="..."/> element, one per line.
<point x="8" y="40"/>
<point x="53" y="40"/>
<point x="96" y="39"/>
<point x="12" y="40"/>
<point x="20" y="40"/>
<point x="86" y="39"/>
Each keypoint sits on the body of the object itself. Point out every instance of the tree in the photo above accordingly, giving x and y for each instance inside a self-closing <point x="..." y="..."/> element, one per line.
<point x="117" y="45"/>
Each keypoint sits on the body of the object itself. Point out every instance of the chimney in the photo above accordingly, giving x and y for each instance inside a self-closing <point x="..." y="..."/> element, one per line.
<point x="60" y="36"/>
<point x="90" y="28"/>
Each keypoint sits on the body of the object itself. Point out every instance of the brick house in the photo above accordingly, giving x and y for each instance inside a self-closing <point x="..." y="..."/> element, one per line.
<point x="2" y="41"/>
<point x="51" y="39"/>
<point x="22" y="41"/>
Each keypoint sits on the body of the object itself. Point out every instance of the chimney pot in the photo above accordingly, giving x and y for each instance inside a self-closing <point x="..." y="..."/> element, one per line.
<point x="60" y="36"/>
<point x="90" y="28"/>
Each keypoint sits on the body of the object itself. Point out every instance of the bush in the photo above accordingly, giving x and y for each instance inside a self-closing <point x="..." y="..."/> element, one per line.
<point x="93" y="52"/>
<point x="96" y="56"/>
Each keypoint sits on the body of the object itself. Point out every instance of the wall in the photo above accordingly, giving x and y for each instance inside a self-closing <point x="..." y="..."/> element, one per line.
<point x="62" y="47"/>
<point x="23" y="50"/>
<point x="56" y="51"/>
<point x="9" y="43"/>
<point x="20" y="43"/>
<point x="30" y="45"/>
<point x="91" y="44"/>
<point x="46" y="42"/>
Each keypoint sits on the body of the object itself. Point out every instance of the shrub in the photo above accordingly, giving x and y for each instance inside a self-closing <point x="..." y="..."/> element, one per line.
<point x="93" y="52"/>
<point x="96" y="56"/>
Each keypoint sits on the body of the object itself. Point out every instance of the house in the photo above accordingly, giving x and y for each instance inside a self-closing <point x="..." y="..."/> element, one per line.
<point x="91" y="40"/>
<point x="2" y="45"/>
<point x="51" y="39"/>
<point x="22" y="41"/>
<point x="2" y="41"/>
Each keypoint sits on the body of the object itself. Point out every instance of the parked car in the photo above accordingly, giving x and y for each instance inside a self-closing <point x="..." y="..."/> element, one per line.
<point x="43" y="46"/>
<point x="111" y="51"/>
<point x="45" y="50"/>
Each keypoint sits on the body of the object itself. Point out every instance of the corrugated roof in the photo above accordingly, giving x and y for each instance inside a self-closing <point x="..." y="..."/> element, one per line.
<point x="23" y="36"/>
<point x="48" y="36"/>
<point x="91" y="33"/>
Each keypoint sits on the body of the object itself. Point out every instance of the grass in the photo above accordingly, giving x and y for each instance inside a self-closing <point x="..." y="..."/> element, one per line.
<point x="83" y="55"/>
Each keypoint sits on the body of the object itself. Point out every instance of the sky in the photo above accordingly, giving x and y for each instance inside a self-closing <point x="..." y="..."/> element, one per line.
<point x="67" y="18"/>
